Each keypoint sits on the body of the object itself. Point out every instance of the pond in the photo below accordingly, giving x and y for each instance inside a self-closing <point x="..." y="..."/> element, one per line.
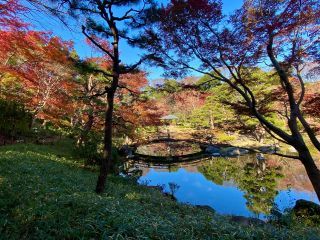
<point x="233" y="186"/>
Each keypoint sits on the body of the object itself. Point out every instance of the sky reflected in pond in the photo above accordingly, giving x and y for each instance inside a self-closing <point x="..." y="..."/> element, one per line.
<point x="240" y="192"/>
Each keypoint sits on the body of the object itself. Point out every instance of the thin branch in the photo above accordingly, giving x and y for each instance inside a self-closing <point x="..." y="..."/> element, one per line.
<point x="96" y="43"/>
<point x="124" y="120"/>
<point x="286" y="156"/>
<point x="303" y="89"/>
<point x="274" y="136"/>
<point x="128" y="89"/>
<point x="103" y="72"/>
<point x="131" y="10"/>
<point x="133" y="67"/>
<point x="99" y="94"/>
<point x="309" y="131"/>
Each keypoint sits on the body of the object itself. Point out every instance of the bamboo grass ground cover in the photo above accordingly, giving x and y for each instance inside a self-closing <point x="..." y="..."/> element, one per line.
<point x="46" y="193"/>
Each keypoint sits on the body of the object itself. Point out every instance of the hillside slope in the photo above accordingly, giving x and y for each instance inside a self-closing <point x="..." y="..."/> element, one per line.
<point x="45" y="193"/>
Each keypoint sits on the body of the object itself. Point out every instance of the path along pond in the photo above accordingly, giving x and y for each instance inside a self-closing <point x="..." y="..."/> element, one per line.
<point x="230" y="185"/>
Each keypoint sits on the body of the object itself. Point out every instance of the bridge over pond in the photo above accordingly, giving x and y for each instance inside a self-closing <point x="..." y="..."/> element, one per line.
<point x="200" y="152"/>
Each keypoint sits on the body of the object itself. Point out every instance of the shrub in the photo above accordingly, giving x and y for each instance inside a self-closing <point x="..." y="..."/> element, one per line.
<point x="223" y="137"/>
<point x="14" y="119"/>
<point x="92" y="151"/>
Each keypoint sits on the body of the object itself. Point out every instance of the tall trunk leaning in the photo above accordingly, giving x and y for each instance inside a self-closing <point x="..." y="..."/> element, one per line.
<point x="311" y="169"/>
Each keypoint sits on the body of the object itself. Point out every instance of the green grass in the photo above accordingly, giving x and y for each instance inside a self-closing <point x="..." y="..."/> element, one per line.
<point x="45" y="193"/>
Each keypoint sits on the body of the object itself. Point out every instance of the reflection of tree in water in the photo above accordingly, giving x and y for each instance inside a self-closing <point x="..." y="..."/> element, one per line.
<point x="219" y="170"/>
<point x="259" y="186"/>
<point x="173" y="168"/>
<point x="260" y="189"/>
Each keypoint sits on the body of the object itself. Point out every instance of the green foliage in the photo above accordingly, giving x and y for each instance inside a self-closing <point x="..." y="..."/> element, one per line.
<point x="226" y="110"/>
<point x="214" y="170"/>
<point x="46" y="194"/>
<point x="225" y="138"/>
<point x="91" y="150"/>
<point x="276" y="120"/>
<point x="14" y="120"/>
<point x="306" y="212"/>
<point x="145" y="132"/>
<point x="170" y="86"/>
<point x="293" y="217"/>
<point x="206" y="82"/>
<point x="214" y="113"/>
<point x="259" y="186"/>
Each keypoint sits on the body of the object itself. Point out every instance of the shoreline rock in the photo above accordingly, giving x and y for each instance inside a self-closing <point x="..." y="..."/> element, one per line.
<point x="304" y="208"/>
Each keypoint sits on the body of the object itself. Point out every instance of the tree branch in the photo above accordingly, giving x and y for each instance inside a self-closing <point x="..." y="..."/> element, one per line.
<point x="286" y="156"/>
<point x="96" y="43"/>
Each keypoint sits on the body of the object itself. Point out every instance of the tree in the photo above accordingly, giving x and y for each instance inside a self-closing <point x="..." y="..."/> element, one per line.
<point x="134" y="108"/>
<point x="9" y="15"/>
<point x="104" y="20"/>
<point x="215" y="112"/>
<point x="178" y="97"/>
<point x="36" y="70"/>
<point x="192" y="35"/>
<point x="14" y="121"/>
<point x="90" y="103"/>
<point x="311" y="105"/>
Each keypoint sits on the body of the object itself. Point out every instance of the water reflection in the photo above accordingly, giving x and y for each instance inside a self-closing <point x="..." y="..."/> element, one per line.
<point x="257" y="182"/>
<point x="237" y="186"/>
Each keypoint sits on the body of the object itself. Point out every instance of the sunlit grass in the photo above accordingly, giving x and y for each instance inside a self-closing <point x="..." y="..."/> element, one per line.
<point x="45" y="193"/>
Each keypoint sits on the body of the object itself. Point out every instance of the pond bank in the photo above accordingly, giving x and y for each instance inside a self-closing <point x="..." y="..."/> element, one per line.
<point x="47" y="194"/>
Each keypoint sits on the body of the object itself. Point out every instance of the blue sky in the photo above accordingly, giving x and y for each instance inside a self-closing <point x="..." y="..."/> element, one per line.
<point x="128" y="55"/>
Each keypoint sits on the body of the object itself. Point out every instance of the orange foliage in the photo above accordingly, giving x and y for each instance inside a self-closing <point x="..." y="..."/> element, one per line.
<point x="40" y="65"/>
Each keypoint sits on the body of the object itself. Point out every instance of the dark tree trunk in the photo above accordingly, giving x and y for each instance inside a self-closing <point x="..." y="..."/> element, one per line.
<point x="312" y="169"/>
<point x="107" y="151"/>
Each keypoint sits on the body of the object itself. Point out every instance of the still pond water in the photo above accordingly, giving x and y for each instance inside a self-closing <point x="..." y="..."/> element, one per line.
<point x="233" y="186"/>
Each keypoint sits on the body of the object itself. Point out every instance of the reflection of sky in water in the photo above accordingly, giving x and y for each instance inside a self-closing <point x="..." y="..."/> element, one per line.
<point x="287" y="198"/>
<point x="227" y="199"/>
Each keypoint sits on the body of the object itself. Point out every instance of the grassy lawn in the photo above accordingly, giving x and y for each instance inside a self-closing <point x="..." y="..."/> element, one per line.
<point x="45" y="193"/>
